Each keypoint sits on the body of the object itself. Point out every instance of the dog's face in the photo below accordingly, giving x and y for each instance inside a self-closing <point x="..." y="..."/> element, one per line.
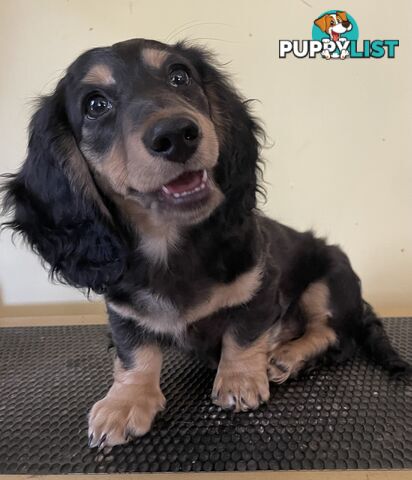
<point x="140" y="133"/>
<point x="334" y="24"/>
<point x="143" y="122"/>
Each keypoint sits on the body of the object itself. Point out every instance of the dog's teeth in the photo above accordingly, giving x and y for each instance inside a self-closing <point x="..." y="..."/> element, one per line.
<point x="177" y="195"/>
<point x="204" y="176"/>
<point x="165" y="190"/>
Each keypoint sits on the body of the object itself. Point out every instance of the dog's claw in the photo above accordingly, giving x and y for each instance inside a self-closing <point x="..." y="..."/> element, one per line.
<point x="90" y="443"/>
<point x="282" y="367"/>
<point x="102" y="440"/>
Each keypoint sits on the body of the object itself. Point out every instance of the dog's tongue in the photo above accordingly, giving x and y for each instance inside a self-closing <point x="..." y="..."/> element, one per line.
<point x="185" y="182"/>
<point x="335" y="36"/>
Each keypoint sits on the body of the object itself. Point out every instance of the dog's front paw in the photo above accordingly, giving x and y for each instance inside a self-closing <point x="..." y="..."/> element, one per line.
<point x="344" y="54"/>
<point x="127" y="411"/>
<point x="326" y="54"/>
<point x="240" y="391"/>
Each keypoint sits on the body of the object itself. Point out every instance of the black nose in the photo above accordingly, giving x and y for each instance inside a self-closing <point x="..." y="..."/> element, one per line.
<point x="175" y="139"/>
<point x="346" y="24"/>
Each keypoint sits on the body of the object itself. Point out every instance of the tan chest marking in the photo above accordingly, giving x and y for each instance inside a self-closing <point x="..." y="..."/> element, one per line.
<point x="165" y="318"/>
<point x="238" y="292"/>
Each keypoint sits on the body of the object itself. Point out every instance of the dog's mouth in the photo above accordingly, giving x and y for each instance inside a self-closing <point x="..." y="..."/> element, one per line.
<point x="335" y="36"/>
<point x="187" y="188"/>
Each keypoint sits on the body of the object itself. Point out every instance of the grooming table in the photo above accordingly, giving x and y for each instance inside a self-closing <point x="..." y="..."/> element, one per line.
<point x="346" y="417"/>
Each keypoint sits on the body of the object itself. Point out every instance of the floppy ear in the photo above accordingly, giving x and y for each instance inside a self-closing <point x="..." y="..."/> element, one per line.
<point x="343" y="16"/>
<point x="57" y="207"/>
<point x="321" y="23"/>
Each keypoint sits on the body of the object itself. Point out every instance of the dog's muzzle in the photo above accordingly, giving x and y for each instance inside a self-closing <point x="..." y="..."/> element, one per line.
<point x="175" y="139"/>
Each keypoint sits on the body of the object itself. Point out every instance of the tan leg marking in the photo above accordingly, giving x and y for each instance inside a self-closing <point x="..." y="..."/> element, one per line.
<point x="241" y="380"/>
<point x="288" y="358"/>
<point x="132" y="402"/>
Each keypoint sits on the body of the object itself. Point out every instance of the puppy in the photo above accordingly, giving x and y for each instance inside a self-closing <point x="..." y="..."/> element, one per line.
<point x="140" y="184"/>
<point x="334" y="25"/>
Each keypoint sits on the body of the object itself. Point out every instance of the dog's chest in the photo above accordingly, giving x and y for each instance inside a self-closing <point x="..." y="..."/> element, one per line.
<point x="164" y="313"/>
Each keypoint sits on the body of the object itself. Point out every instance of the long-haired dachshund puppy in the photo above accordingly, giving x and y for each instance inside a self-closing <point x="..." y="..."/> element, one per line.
<point x="140" y="184"/>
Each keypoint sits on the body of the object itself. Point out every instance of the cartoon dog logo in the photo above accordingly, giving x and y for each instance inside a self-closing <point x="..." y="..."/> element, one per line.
<point x="335" y="25"/>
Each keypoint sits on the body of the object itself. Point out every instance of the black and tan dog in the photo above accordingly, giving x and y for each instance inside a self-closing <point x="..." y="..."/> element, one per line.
<point x="140" y="183"/>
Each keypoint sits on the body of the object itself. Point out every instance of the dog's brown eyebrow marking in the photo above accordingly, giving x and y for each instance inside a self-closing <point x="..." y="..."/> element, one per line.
<point x="153" y="57"/>
<point x="100" y="74"/>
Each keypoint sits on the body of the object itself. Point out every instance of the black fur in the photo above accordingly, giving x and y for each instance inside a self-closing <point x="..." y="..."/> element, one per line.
<point x="61" y="224"/>
<point x="97" y="248"/>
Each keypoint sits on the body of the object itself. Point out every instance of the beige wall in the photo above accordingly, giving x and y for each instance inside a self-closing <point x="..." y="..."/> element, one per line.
<point x="341" y="161"/>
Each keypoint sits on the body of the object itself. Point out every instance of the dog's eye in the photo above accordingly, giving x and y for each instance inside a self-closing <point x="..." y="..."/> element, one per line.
<point x="97" y="105"/>
<point x="179" y="75"/>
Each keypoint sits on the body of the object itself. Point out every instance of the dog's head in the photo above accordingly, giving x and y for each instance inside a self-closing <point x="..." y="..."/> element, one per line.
<point x="137" y="132"/>
<point x="334" y="24"/>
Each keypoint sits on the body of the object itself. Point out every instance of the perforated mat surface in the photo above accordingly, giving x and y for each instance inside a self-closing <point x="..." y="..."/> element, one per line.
<point x="345" y="417"/>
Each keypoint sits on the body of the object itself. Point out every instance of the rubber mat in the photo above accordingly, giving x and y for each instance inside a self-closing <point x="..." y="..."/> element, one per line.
<point x="346" y="417"/>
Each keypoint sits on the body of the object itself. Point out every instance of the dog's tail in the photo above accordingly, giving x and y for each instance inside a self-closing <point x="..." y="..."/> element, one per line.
<point x="375" y="343"/>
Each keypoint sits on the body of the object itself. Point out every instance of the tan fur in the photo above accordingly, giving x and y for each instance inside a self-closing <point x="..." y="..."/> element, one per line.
<point x="342" y="15"/>
<point x="157" y="240"/>
<point x="132" y="402"/>
<point x="288" y="358"/>
<point x="241" y="290"/>
<point x="324" y="22"/>
<point x="154" y="57"/>
<point x="164" y="317"/>
<point x="149" y="173"/>
<point x="157" y="236"/>
<point x="241" y="380"/>
<point x="111" y="169"/>
<point x="80" y="177"/>
<point x="129" y="164"/>
<point x="99" y="74"/>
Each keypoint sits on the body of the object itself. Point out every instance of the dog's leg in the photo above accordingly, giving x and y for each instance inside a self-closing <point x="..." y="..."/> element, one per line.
<point x="325" y="52"/>
<point x="132" y="402"/>
<point x="288" y="358"/>
<point x="135" y="397"/>
<point x="241" y="381"/>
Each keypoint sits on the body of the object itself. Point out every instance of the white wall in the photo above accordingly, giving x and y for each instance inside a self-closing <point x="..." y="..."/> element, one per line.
<point x="341" y="162"/>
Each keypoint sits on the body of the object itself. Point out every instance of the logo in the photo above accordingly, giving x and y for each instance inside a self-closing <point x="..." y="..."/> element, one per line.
<point x="335" y="36"/>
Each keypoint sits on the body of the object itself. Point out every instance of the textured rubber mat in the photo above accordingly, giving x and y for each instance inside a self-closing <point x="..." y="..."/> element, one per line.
<point x="349" y="416"/>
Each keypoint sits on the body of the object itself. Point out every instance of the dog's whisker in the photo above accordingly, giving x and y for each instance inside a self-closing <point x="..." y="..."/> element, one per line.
<point x="197" y="39"/>
<point x="186" y="27"/>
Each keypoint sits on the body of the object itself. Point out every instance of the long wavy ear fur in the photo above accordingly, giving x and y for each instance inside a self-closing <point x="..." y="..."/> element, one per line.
<point x="57" y="208"/>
